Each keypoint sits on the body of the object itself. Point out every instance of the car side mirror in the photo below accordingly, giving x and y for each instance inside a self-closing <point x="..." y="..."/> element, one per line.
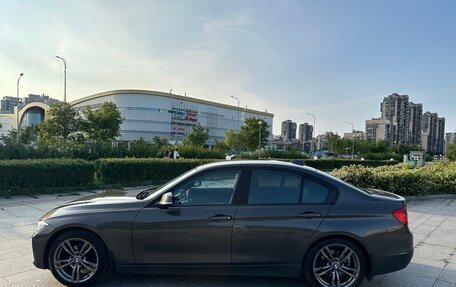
<point x="166" y="200"/>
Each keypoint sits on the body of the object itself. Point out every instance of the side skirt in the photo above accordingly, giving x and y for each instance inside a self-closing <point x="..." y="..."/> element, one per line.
<point x="293" y="271"/>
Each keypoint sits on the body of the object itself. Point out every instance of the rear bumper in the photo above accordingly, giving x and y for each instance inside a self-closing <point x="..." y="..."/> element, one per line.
<point x="392" y="252"/>
<point x="392" y="263"/>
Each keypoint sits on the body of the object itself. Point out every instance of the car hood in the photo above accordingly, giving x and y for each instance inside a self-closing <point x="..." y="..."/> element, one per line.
<point x="99" y="203"/>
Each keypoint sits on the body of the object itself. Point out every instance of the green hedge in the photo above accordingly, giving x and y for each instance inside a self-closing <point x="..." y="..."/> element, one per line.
<point x="330" y="164"/>
<point x="31" y="176"/>
<point x="142" y="170"/>
<point x="40" y="175"/>
<point x="431" y="179"/>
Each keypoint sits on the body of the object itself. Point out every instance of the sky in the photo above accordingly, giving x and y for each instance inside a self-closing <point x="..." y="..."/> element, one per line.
<point x="333" y="59"/>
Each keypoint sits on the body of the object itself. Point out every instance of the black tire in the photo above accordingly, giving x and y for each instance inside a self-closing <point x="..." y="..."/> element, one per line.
<point x="316" y="260"/>
<point x="69" y="254"/>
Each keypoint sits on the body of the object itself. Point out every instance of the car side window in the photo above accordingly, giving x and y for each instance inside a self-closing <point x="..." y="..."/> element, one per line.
<point x="274" y="187"/>
<point x="215" y="188"/>
<point x="315" y="192"/>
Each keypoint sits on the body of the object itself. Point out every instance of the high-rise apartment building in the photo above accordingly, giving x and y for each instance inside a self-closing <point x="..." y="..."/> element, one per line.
<point x="356" y="135"/>
<point x="432" y="140"/>
<point x="8" y="103"/>
<point x="414" y="129"/>
<point x="378" y="129"/>
<point x="289" y="129"/>
<point x="429" y="127"/>
<point x="450" y="138"/>
<point x="305" y="132"/>
<point x="32" y="98"/>
<point x="395" y="109"/>
<point x="305" y="137"/>
<point x="440" y="148"/>
<point x="403" y="122"/>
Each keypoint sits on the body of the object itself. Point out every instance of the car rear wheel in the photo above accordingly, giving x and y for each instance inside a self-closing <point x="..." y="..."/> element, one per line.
<point x="335" y="263"/>
<point x="77" y="258"/>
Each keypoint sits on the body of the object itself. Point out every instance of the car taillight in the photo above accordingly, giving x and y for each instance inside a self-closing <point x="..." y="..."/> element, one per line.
<point x="401" y="215"/>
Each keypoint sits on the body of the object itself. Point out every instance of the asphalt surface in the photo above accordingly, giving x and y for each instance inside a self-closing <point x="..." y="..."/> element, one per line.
<point x="432" y="221"/>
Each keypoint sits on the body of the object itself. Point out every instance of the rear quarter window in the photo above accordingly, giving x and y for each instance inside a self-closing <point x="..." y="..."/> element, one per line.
<point x="315" y="192"/>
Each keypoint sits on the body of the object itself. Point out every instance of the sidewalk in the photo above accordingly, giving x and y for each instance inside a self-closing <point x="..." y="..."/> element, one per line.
<point x="432" y="221"/>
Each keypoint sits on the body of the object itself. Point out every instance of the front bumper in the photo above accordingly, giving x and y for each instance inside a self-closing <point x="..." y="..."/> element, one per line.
<point x="40" y="242"/>
<point x="39" y="250"/>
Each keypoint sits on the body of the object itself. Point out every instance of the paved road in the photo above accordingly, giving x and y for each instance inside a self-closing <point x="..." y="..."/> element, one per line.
<point x="433" y="223"/>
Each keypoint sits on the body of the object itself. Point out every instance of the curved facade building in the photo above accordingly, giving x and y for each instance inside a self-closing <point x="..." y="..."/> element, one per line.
<point x="149" y="113"/>
<point x="29" y="115"/>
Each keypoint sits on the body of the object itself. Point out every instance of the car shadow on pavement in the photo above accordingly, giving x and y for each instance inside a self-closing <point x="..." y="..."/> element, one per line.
<point x="427" y="273"/>
<point x="203" y="281"/>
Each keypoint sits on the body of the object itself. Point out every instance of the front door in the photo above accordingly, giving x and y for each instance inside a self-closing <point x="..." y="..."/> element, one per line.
<point x="196" y="229"/>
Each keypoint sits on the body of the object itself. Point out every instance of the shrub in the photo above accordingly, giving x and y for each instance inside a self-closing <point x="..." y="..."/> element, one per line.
<point x="400" y="179"/>
<point x="330" y="164"/>
<point x="31" y="176"/>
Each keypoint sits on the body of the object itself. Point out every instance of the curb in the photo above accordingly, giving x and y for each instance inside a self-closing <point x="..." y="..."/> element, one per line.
<point x="430" y="197"/>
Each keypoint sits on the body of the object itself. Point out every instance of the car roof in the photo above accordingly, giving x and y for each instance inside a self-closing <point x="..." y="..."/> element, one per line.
<point x="256" y="163"/>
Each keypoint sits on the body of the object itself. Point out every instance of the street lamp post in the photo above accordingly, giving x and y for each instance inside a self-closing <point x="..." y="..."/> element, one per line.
<point x="17" y="108"/>
<point x="64" y="78"/>
<point x="260" y="123"/>
<point x="238" y="104"/>
<point x="314" y="131"/>
<point x="353" y="140"/>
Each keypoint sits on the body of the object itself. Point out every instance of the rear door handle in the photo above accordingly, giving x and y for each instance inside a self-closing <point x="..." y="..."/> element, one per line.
<point x="220" y="217"/>
<point x="309" y="215"/>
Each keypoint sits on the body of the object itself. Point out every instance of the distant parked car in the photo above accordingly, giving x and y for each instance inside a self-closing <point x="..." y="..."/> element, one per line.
<point x="299" y="162"/>
<point x="262" y="218"/>
<point x="230" y="156"/>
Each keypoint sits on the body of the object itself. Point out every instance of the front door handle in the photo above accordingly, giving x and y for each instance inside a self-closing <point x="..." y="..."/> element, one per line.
<point x="220" y="217"/>
<point x="309" y="215"/>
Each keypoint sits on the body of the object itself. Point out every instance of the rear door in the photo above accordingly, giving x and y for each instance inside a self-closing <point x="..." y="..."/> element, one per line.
<point x="278" y="216"/>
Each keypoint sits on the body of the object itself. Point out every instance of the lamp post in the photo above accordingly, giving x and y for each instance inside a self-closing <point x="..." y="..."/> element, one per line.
<point x="17" y="108"/>
<point x="353" y="140"/>
<point x="238" y="104"/>
<point x="260" y="123"/>
<point x="314" y="131"/>
<point x="64" y="76"/>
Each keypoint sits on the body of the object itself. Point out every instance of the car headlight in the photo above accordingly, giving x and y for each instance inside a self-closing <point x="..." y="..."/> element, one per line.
<point x="41" y="224"/>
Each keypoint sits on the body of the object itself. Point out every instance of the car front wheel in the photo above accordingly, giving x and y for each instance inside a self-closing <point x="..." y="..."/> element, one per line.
<point x="335" y="262"/>
<point x="77" y="258"/>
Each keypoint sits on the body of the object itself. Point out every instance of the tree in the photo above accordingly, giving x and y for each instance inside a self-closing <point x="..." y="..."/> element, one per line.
<point x="337" y="144"/>
<point x="249" y="134"/>
<point x="103" y="124"/>
<point x="451" y="151"/>
<point x="405" y="148"/>
<point x="140" y="148"/>
<point x="198" y="136"/>
<point x="159" y="141"/>
<point x="232" y="140"/>
<point x="28" y="135"/>
<point x="220" y="146"/>
<point x="62" y="124"/>
<point x="11" y="137"/>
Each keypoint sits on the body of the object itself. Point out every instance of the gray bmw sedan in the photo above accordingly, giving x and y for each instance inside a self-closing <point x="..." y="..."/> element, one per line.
<point x="254" y="218"/>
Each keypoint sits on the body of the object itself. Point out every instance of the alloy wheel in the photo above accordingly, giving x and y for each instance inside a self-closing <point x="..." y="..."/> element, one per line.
<point x="336" y="265"/>
<point x="75" y="260"/>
